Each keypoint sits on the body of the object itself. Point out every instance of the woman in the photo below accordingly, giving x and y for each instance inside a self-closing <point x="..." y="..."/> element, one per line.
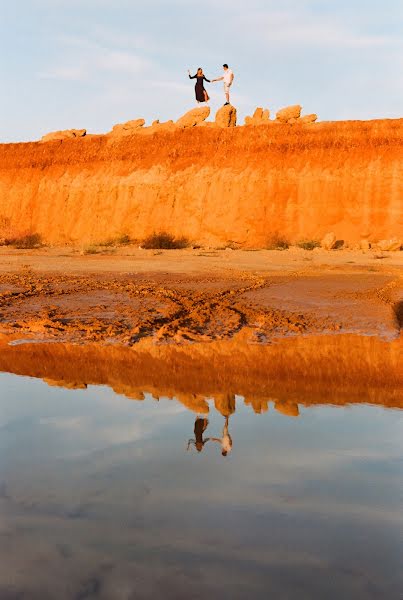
<point x="201" y="94"/>
<point x="199" y="442"/>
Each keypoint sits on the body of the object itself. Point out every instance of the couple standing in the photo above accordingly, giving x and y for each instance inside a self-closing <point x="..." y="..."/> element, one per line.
<point x="201" y="93"/>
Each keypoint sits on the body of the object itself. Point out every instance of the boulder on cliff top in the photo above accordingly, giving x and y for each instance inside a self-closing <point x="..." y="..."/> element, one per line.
<point x="260" y="117"/>
<point x="64" y="135"/>
<point x="157" y="127"/>
<point x="226" y="116"/>
<point x="290" y="112"/>
<point x="194" y="117"/>
<point x="308" y="119"/>
<point x="127" y="128"/>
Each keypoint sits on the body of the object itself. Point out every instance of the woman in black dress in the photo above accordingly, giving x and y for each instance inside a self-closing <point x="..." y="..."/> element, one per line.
<point x="201" y="94"/>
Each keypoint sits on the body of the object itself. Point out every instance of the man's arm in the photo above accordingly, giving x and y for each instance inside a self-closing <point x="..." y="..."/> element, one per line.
<point x="218" y="79"/>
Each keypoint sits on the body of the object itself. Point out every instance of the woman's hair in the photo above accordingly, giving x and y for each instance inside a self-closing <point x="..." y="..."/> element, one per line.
<point x="200" y="69"/>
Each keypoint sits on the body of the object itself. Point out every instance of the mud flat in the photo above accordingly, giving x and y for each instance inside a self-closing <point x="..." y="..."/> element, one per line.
<point x="296" y="327"/>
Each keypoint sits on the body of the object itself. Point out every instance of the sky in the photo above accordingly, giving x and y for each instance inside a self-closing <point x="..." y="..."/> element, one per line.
<point x="94" y="63"/>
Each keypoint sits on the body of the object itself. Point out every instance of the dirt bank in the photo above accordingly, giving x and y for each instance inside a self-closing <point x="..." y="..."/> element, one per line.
<point x="196" y="296"/>
<point x="214" y="186"/>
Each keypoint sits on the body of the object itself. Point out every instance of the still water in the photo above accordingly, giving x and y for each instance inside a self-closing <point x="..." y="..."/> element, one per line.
<point x="106" y="497"/>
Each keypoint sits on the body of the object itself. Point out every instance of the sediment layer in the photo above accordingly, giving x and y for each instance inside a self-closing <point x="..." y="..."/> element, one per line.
<point x="215" y="186"/>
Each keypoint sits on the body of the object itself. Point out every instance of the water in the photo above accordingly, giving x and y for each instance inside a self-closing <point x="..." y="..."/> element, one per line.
<point x="100" y="498"/>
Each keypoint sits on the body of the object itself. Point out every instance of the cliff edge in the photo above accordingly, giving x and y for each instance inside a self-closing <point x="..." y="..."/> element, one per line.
<point x="215" y="186"/>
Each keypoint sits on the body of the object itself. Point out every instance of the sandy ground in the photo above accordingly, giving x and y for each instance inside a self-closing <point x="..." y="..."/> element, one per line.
<point x="127" y="294"/>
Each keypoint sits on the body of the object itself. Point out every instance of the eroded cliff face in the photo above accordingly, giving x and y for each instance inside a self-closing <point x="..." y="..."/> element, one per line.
<point x="214" y="186"/>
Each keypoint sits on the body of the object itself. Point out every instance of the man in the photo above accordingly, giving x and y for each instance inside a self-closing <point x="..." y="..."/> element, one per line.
<point x="225" y="440"/>
<point x="228" y="78"/>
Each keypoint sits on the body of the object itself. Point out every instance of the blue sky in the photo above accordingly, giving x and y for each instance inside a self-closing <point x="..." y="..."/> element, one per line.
<point x="94" y="63"/>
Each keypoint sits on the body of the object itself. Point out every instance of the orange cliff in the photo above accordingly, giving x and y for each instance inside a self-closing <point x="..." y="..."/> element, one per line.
<point x="212" y="185"/>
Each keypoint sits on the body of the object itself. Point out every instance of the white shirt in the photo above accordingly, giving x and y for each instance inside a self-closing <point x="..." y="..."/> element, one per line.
<point x="228" y="76"/>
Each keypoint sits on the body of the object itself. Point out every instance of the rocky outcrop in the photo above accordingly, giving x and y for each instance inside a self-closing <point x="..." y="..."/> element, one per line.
<point x="329" y="241"/>
<point x="210" y="184"/>
<point x="393" y="245"/>
<point x="158" y="127"/>
<point x="226" y="116"/>
<point x="194" y="117"/>
<point x="285" y="115"/>
<point x="308" y="119"/>
<point x="64" y="135"/>
<point x="128" y="128"/>
<point x="260" y="117"/>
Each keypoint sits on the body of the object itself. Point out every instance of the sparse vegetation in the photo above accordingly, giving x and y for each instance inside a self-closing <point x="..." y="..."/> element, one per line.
<point x="277" y="242"/>
<point x="90" y="250"/>
<point x="164" y="241"/>
<point x="308" y="244"/>
<point x="28" y="241"/>
<point x="120" y="240"/>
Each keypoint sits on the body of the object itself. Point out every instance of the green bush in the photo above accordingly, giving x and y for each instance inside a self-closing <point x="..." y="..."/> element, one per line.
<point x="164" y="241"/>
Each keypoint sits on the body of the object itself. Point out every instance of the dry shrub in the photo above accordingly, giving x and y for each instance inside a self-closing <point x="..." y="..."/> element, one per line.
<point x="90" y="250"/>
<point x="277" y="242"/>
<point x="164" y="241"/>
<point x="26" y="242"/>
<point x="120" y="240"/>
<point x="308" y="244"/>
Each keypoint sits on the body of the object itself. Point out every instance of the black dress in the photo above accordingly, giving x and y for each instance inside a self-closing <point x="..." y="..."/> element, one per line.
<point x="199" y="87"/>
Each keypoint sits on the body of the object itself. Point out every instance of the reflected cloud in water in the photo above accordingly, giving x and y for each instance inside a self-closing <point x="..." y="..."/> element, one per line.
<point x="100" y="499"/>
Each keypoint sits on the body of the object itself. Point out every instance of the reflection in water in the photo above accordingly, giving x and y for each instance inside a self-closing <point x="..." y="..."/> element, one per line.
<point x="200" y="427"/>
<point x="225" y="440"/>
<point x="99" y="498"/>
<point x="201" y="424"/>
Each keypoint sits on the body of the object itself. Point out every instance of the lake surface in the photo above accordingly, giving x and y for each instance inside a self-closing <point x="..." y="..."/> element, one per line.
<point x="100" y="497"/>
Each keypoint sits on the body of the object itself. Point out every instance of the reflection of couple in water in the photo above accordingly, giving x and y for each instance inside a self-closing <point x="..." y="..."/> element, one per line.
<point x="199" y="442"/>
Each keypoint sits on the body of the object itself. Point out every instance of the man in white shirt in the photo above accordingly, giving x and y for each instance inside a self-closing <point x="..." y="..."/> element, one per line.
<point x="228" y="78"/>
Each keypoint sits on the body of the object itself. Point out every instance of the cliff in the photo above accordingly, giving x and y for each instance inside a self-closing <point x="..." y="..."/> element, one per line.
<point x="212" y="185"/>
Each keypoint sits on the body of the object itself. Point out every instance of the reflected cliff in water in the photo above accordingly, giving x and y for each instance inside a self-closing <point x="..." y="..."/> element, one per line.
<point x="290" y="373"/>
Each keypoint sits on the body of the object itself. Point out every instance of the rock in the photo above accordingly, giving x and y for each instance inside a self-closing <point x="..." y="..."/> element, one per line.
<point x="290" y="112"/>
<point x="157" y="127"/>
<point x="194" y="117"/>
<point x="266" y="115"/>
<point x="393" y="245"/>
<point x="206" y="124"/>
<point x="293" y="121"/>
<point x="257" y="115"/>
<point x="127" y="128"/>
<point x="64" y="135"/>
<point x="329" y="241"/>
<point x="226" y="116"/>
<point x="365" y="245"/>
<point x="308" y="119"/>
<point x="260" y="116"/>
